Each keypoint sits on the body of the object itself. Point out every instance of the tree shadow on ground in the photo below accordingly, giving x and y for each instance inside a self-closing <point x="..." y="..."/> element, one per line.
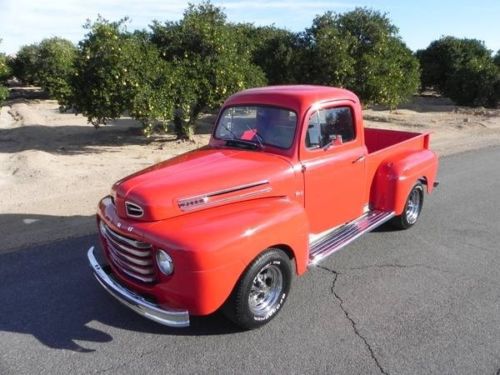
<point x="71" y="139"/>
<point x="49" y="292"/>
<point x="17" y="93"/>
<point x="18" y="231"/>
<point x="78" y="139"/>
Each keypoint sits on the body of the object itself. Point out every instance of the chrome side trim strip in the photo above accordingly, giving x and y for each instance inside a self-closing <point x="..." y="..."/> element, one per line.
<point x="205" y="200"/>
<point x="166" y="316"/>
<point x="236" y="188"/>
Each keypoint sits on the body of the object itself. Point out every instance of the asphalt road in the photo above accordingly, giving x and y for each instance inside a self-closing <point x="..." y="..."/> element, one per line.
<point x="421" y="301"/>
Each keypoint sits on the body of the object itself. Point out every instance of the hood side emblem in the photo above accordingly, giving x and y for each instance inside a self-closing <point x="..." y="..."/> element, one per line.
<point x="224" y="196"/>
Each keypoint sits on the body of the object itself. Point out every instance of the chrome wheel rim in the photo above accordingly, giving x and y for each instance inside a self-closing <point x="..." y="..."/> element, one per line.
<point x="413" y="206"/>
<point x="266" y="290"/>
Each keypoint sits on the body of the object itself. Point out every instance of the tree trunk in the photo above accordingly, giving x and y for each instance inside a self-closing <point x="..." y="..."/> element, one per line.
<point x="184" y="128"/>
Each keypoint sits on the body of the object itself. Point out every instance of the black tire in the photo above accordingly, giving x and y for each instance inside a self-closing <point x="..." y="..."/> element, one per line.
<point x="413" y="207"/>
<point x="261" y="291"/>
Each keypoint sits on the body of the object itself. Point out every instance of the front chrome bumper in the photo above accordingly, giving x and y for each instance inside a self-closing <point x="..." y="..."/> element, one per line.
<point x="168" y="317"/>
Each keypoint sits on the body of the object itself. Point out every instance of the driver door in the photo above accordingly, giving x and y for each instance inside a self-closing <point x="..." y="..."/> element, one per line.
<point x="333" y="162"/>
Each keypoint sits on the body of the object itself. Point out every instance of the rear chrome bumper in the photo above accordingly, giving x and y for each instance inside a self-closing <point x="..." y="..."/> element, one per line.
<point x="166" y="316"/>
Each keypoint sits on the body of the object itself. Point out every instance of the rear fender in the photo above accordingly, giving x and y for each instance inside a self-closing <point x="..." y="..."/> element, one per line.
<point x="396" y="176"/>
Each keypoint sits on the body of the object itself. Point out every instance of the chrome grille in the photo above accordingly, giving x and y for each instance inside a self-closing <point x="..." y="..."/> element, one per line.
<point x="133" y="258"/>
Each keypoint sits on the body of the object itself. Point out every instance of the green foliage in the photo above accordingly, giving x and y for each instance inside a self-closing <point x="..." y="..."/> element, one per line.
<point x="392" y="75"/>
<point x="187" y="67"/>
<point x="179" y="69"/>
<point x="48" y="64"/>
<point x="55" y="67"/>
<point x="272" y="49"/>
<point x="4" y="93"/>
<point x="360" y="50"/>
<point x="107" y="74"/>
<point x="475" y="83"/>
<point x="210" y="62"/>
<point x="5" y="73"/>
<point x="461" y="69"/>
<point x="496" y="58"/>
<point x="24" y="64"/>
<point x="152" y="103"/>
<point x="444" y="56"/>
<point x="118" y="72"/>
<point x="326" y="57"/>
<point x="102" y="88"/>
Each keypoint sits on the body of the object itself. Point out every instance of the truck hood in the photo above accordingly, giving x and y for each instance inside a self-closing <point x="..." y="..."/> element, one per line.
<point x="201" y="179"/>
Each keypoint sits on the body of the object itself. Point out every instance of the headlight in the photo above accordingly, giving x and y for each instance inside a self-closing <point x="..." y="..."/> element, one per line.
<point x="165" y="263"/>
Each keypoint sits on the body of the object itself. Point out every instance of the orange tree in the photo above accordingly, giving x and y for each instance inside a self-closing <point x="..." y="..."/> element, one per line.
<point x="462" y="69"/>
<point x="360" y="50"/>
<point x="24" y="64"/>
<point x="117" y="72"/>
<point x="272" y="49"/>
<point x="209" y="61"/>
<point x="54" y="67"/>
<point x="103" y="86"/>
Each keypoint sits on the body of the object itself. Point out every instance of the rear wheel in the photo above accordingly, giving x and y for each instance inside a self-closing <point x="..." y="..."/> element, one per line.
<point x="412" y="209"/>
<point x="262" y="290"/>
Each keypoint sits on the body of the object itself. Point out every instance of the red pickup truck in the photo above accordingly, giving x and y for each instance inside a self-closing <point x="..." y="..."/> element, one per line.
<point x="290" y="176"/>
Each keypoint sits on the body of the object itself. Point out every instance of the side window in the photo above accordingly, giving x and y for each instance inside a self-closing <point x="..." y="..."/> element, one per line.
<point x="330" y="125"/>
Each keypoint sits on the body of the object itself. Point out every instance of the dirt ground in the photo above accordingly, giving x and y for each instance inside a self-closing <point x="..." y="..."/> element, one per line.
<point x="54" y="167"/>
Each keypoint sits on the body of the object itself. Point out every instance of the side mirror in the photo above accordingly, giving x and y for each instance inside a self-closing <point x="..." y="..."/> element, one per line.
<point x="335" y="139"/>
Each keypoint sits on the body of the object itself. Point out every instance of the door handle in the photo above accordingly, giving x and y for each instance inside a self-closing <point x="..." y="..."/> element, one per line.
<point x="360" y="158"/>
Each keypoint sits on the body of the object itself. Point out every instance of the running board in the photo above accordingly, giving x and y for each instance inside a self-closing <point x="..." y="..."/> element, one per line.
<point x="343" y="236"/>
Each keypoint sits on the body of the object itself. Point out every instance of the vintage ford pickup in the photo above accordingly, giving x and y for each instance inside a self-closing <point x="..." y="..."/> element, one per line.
<point x="290" y="176"/>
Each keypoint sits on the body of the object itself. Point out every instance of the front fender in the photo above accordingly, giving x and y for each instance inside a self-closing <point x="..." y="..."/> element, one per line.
<point x="212" y="248"/>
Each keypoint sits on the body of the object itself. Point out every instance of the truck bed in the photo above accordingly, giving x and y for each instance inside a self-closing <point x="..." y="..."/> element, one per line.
<point x="380" y="140"/>
<point x="383" y="145"/>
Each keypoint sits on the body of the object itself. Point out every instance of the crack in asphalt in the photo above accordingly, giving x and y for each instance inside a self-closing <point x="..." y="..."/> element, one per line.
<point x="351" y="320"/>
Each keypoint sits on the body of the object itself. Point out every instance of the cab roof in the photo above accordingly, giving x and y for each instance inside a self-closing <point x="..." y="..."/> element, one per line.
<point x="297" y="97"/>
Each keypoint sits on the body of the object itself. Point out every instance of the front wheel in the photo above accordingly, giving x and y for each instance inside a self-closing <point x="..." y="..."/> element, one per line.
<point x="412" y="209"/>
<point x="262" y="290"/>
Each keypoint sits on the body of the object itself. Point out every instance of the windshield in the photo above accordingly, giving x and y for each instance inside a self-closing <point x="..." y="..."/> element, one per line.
<point x="263" y="125"/>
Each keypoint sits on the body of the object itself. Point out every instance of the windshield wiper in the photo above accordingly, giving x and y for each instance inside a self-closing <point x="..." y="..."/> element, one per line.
<point x="234" y="136"/>
<point x="243" y="143"/>
<point x="235" y="141"/>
